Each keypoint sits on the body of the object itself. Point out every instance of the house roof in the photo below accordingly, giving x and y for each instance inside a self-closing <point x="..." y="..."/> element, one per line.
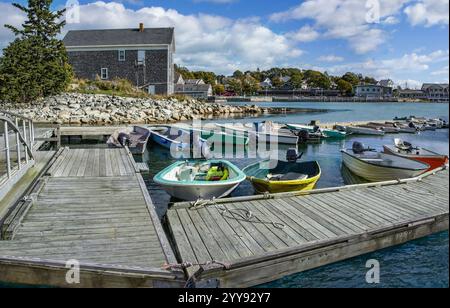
<point x="386" y="83"/>
<point x="428" y="85"/>
<point x="194" y="81"/>
<point x="192" y="88"/>
<point x="119" y="37"/>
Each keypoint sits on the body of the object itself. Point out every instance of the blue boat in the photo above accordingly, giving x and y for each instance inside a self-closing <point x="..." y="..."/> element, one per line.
<point x="178" y="141"/>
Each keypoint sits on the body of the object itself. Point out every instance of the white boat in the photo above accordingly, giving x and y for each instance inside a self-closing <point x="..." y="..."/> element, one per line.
<point x="327" y="133"/>
<point x="357" y="130"/>
<point x="261" y="131"/>
<point x="197" y="180"/>
<point x="178" y="141"/>
<point x="379" y="167"/>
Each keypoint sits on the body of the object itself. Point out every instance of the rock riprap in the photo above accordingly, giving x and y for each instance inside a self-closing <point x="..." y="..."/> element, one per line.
<point x="95" y="109"/>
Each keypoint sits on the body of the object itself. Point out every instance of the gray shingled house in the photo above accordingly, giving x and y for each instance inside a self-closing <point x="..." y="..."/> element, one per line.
<point x="143" y="56"/>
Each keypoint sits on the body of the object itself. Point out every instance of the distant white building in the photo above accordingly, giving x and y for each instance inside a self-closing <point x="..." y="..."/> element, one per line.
<point x="436" y="92"/>
<point x="267" y="83"/>
<point x="200" y="91"/>
<point x="383" y="89"/>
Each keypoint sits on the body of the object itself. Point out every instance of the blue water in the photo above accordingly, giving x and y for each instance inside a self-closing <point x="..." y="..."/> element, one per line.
<point x="344" y="112"/>
<point x="422" y="263"/>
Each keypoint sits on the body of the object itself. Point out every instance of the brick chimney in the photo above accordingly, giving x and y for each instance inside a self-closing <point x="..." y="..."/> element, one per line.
<point x="141" y="27"/>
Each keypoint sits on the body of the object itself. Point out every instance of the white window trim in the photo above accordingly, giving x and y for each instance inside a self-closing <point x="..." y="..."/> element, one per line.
<point x="124" y="55"/>
<point x="106" y="74"/>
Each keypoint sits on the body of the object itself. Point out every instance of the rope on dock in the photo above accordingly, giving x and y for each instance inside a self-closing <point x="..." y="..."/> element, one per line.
<point x="237" y="214"/>
<point x="192" y="279"/>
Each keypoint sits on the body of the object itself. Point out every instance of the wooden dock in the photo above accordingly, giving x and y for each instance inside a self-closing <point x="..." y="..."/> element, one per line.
<point x="245" y="242"/>
<point x="93" y="207"/>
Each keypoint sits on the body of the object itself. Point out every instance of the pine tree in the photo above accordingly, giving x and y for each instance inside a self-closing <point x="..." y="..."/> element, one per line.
<point x="35" y="64"/>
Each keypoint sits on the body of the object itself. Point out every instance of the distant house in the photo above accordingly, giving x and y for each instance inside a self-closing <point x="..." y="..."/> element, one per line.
<point x="143" y="56"/>
<point x="285" y="79"/>
<point x="179" y="79"/>
<point x="436" y="92"/>
<point x="371" y="91"/>
<point x="266" y="84"/>
<point x="194" y="81"/>
<point x="412" y="94"/>
<point x="388" y="83"/>
<point x="200" y="91"/>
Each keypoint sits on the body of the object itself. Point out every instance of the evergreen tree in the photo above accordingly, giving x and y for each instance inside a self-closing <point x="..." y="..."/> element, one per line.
<point x="35" y="64"/>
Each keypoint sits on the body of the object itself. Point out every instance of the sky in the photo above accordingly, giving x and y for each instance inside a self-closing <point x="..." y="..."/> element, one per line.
<point x="405" y="40"/>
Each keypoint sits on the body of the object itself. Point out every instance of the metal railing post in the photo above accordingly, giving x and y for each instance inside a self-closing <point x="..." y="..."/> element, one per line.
<point x="24" y="126"/>
<point x="8" y="162"/>
<point x="19" y="160"/>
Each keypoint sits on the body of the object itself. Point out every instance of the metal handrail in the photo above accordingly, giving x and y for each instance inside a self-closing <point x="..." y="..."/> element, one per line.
<point x="11" y="122"/>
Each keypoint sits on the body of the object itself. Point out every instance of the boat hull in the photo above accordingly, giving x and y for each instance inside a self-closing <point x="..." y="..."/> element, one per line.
<point x="262" y="185"/>
<point x="364" y="131"/>
<point x="328" y="133"/>
<point x="435" y="162"/>
<point x="199" y="190"/>
<point x="376" y="173"/>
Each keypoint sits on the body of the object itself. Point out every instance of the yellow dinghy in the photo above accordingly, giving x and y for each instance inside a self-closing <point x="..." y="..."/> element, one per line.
<point x="278" y="177"/>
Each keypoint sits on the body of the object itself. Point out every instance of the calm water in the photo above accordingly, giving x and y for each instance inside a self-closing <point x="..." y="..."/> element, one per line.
<point x="423" y="263"/>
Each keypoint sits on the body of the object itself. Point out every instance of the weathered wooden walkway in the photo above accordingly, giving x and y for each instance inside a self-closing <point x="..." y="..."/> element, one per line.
<point x="245" y="242"/>
<point x="93" y="207"/>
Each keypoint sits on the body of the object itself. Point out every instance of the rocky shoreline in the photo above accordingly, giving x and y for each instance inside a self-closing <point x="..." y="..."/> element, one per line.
<point x="96" y="109"/>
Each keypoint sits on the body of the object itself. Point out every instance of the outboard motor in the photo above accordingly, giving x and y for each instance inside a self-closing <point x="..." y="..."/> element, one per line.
<point x="303" y="136"/>
<point x="292" y="155"/>
<point x="124" y="139"/>
<point x="358" y="148"/>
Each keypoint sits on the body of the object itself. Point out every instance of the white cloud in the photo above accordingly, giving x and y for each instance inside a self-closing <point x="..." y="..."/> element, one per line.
<point x="204" y="42"/>
<point x="305" y="34"/>
<point x="409" y="84"/>
<point x="428" y="12"/>
<point x="346" y="19"/>
<point x="11" y="16"/>
<point x="399" y="69"/>
<point x="330" y="58"/>
<point x="441" y="72"/>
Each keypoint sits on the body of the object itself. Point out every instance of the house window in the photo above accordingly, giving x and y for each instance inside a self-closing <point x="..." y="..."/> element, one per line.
<point x="122" y="55"/>
<point x="104" y="73"/>
<point x="141" y="56"/>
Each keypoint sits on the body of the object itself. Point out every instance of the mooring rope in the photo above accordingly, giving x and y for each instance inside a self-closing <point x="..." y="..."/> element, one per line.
<point x="237" y="214"/>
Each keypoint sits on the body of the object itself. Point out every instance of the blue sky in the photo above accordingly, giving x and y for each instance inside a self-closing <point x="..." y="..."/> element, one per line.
<point x="406" y="40"/>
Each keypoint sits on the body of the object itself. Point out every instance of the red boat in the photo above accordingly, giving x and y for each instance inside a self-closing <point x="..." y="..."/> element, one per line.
<point x="406" y="150"/>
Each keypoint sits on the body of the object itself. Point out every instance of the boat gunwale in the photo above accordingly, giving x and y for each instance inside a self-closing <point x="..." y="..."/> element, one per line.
<point x="427" y="166"/>
<point x="159" y="178"/>
<point x="435" y="154"/>
<point x="290" y="182"/>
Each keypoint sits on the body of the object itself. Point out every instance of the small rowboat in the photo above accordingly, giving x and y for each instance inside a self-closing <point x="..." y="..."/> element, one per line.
<point x="379" y="167"/>
<point x="178" y="141"/>
<point x="199" y="180"/>
<point x="357" y="130"/>
<point x="384" y="127"/>
<point x="261" y="132"/>
<point x="283" y="176"/>
<point x="327" y="133"/>
<point x="135" y="138"/>
<point x="406" y="150"/>
<point x="215" y="135"/>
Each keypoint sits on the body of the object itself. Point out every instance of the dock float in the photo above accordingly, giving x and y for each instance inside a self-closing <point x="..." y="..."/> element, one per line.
<point x="92" y="206"/>
<point x="245" y="242"/>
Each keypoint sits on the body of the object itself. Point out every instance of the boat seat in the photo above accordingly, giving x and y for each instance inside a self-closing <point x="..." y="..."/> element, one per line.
<point x="290" y="176"/>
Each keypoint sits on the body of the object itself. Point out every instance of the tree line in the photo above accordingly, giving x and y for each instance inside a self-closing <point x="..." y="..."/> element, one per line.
<point x="249" y="82"/>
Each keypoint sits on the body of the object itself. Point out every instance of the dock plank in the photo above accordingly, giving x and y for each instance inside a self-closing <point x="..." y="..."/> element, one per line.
<point x="319" y="228"/>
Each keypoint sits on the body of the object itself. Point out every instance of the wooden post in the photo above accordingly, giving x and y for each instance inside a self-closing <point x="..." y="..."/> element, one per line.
<point x="8" y="162"/>
<point x="18" y="145"/>
<point x="58" y="136"/>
